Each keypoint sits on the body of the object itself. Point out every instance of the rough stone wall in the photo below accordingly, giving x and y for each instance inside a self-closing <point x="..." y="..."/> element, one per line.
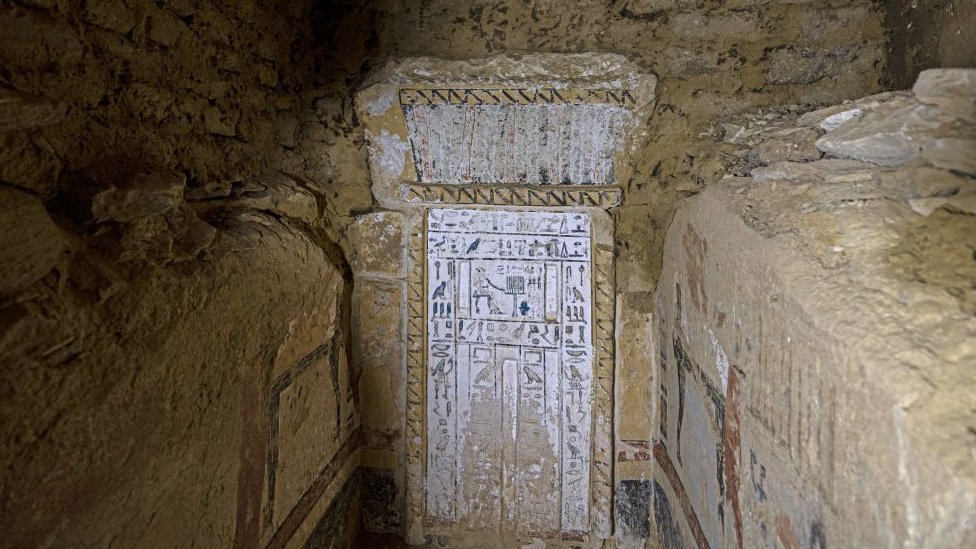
<point x="171" y="283"/>
<point x="816" y="332"/>
<point x="925" y="35"/>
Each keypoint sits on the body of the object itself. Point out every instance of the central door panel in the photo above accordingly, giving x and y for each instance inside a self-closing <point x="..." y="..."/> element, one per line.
<point x="509" y="370"/>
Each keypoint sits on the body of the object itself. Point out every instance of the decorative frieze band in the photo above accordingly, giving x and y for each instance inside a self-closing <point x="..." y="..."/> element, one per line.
<point x="416" y="386"/>
<point x="604" y="302"/>
<point x="511" y="196"/>
<point x="516" y="96"/>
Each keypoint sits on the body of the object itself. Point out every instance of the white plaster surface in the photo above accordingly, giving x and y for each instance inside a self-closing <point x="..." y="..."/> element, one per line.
<point x="510" y="367"/>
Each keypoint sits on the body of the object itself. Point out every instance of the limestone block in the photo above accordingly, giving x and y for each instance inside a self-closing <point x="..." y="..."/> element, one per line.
<point x="635" y="337"/>
<point x="30" y="242"/>
<point x="144" y="195"/>
<point x="19" y="111"/>
<point x="889" y="135"/>
<point x="838" y="114"/>
<point x="799" y="374"/>
<point x="951" y="90"/>
<point x="647" y="7"/>
<point x="826" y="170"/>
<point x="378" y="244"/>
<point x="377" y="346"/>
<point x="571" y="119"/>
<point x="695" y="26"/>
<point x="951" y="154"/>
<point x="684" y="62"/>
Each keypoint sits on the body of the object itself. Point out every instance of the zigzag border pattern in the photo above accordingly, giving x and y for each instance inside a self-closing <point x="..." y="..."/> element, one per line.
<point x="511" y="196"/>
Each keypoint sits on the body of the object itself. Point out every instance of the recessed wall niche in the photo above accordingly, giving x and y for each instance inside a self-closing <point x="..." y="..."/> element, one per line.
<point x="502" y="172"/>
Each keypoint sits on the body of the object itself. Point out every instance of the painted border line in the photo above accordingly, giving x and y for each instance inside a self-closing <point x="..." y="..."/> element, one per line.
<point x="661" y="455"/>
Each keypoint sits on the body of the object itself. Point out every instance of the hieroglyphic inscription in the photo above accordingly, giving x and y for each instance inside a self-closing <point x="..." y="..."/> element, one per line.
<point x="537" y="136"/>
<point x="510" y="357"/>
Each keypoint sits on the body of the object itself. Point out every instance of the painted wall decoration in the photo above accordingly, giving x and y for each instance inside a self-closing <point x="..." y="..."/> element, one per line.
<point x="510" y="359"/>
<point x="534" y="136"/>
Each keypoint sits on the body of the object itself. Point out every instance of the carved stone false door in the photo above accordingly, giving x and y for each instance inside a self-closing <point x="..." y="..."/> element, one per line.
<point x="509" y="371"/>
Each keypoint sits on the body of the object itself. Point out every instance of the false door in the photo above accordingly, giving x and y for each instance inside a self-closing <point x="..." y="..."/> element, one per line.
<point x="509" y="370"/>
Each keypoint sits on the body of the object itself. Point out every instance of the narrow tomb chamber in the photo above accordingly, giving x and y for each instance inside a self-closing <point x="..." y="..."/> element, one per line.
<point x="454" y="273"/>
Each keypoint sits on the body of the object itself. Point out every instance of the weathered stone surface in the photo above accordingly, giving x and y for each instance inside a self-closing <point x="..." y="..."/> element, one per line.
<point x="220" y="188"/>
<point x="696" y="25"/>
<point x="378" y="348"/>
<point x="195" y="237"/>
<point x="890" y="135"/>
<point x="951" y="90"/>
<point x="826" y="170"/>
<point x="762" y="334"/>
<point x="791" y="65"/>
<point x="166" y="29"/>
<point x="686" y="62"/>
<point x="27" y="165"/>
<point x="951" y="154"/>
<point x="30" y="242"/>
<point x="144" y="195"/>
<point x="378" y="244"/>
<point x="277" y="193"/>
<point x="648" y="7"/>
<point x="838" y="114"/>
<point x="770" y="292"/>
<point x="798" y="146"/>
<point x="581" y="116"/>
<point x="19" y="111"/>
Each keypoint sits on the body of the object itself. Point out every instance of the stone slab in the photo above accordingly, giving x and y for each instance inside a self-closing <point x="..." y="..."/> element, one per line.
<point x="565" y="119"/>
<point x="804" y="395"/>
<point x="510" y="341"/>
